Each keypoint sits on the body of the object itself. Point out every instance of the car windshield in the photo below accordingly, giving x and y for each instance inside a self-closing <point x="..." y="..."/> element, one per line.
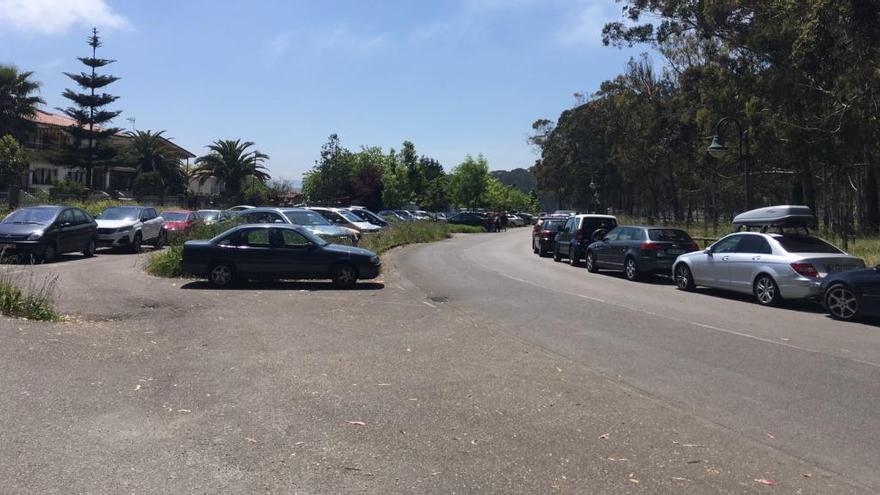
<point x="806" y="244"/>
<point x="668" y="235"/>
<point x="37" y="216"/>
<point x="305" y="217"/>
<point x="120" y="214"/>
<point x="314" y="239"/>
<point x="174" y="216"/>
<point x="207" y="214"/>
<point x="351" y="217"/>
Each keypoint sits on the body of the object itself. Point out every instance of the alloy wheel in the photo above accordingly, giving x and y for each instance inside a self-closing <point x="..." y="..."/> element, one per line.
<point x="683" y="279"/>
<point x="765" y="290"/>
<point x="842" y="302"/>
<point x="221" y="275"/>
<point x="591" y="263"/>
<point x="632" y="270"/>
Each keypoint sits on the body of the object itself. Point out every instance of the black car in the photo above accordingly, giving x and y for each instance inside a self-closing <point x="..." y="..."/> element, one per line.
<point x="853" y="294"/>
<point x="638" y="250"/>
<point x="276" y="251"/>
<point x="44" y="232"/>
<point x="470" y="218"/>
<point x="579" y="231"/>
<point x="544" y="234"/>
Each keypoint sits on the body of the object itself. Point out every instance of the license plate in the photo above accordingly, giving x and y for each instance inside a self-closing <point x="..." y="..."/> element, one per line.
<point x="674" y="252"/>
<point x="838" y="268"/>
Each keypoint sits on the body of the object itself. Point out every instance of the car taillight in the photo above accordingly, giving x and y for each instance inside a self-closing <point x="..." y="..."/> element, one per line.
<point x="546" y="234"/>
<point x="648" y="246"/>
<point x="805" y="269"/>
<point x="692" y="247"/>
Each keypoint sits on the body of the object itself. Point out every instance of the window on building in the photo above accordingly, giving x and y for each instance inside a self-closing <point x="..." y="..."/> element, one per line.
<point x="44" y="176"/>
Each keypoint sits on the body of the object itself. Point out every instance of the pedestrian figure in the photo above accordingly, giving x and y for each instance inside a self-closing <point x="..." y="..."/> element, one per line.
<point x="503" y="217"/>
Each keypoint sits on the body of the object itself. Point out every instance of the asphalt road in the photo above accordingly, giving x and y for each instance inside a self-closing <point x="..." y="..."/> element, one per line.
<point x="473" y="366"/>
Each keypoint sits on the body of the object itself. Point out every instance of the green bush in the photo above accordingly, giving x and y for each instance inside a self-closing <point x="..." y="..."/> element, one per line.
<point x="68" y="187"/>
<point x="33" y="302"/>
<point x="167" y="262"/>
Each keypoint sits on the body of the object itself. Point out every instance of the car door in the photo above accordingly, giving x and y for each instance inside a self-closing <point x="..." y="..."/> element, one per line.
<point x="563" y="239"/>
<point x="84" y="227"/>
<point x="67" y="232"/>
<point x="253" y="251"/>
<point x="602" y="250"/>
<point x="750" y="252"/>
<point x="714" y="268"/>
<point x="618" y="247"/>
<point x="294" y="255"/>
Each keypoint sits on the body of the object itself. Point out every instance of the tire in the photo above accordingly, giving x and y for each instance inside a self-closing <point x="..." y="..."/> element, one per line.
<point x="574" y="258"/>
<point x="49" y="253"/>
<point x="221" y="275"/>
<point x="344" y="275"/>
<point x="684" y="279"/>
<point x="136" y="243"/>
<point x="766" y="291"/>
<point x="542" y="250"/>
<point x="159" y="243"/>
<point x="842" y="303"/>
<point x="556" y="257"/>
<point x="631" y="269"/>
<point x="89" y="250"/>
<point x="591" y="262"/>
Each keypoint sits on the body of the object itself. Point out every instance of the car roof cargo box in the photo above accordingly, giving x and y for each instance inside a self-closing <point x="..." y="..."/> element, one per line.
<point x="777" y="216"/>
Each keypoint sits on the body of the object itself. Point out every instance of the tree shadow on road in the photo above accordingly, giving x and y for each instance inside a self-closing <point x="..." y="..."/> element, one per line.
<point x="283" y="285"/>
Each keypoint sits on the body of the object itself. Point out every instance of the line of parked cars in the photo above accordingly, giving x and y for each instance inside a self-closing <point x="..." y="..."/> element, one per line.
<point x="772" y="256"/>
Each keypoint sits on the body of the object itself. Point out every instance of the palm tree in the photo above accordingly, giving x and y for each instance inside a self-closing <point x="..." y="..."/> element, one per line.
<point x="231" y="163"/>
<point x="17" y="101"/>
<point x="149" y="152"/>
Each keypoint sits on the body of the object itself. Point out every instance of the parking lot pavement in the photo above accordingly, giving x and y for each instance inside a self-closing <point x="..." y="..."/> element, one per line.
<point x="409" y="384"/>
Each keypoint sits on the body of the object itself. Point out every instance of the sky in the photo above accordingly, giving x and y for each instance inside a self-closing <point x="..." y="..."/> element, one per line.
<point x="455" y="77"/>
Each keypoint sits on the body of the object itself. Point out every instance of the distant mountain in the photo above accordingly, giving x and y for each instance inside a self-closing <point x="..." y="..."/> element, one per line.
<point x="519" y="178"/>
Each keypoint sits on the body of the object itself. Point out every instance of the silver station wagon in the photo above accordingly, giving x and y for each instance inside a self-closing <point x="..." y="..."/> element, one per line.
<point x="786" y="264"/>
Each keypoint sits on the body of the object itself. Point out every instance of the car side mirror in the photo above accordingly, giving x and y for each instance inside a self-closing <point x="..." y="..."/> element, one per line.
<point x="708" y="251"/>
<point x="278" y="220"/>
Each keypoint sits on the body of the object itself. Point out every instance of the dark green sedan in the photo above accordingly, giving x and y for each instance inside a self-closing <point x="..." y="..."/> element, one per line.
<point x="276" y="251"/>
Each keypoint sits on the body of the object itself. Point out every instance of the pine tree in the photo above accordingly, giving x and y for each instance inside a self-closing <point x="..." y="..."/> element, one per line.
<point x="89" y="148"/>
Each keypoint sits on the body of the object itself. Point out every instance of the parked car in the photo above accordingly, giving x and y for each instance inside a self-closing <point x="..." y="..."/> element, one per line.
<point x="544" y="234"/>
<point x="440" y="216"/>
<point x="565" y="213"/>
<point x="309" y="219"/>
<point x="392" y="215"/>
<point x="238" y="208"/>
<point x="578" y="233"/>
<point x="470" y="218"/>
<point x="179" y="220"/>
<point x="528" y="218"/>
<point x="422" y="216"/>
<point x="638" y="250"/>
<point x="44" y="232"/>
<point x="407" y="216"/>
<point x="368" y="216"/>
<point x="515" y="220"/>
<point x="851" y="295"/>
<point x="131" y="227"/>
<point x="344" y="218"/>
<point x="276" y="251"/>
<point x="786" y="264"/>
<point x="210" y="217"/>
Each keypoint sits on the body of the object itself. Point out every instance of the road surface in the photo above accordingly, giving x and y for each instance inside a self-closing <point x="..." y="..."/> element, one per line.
<point x="472" y="366"/>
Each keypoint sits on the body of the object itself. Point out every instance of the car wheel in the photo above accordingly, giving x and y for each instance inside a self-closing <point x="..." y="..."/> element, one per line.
<point x="556" y="257"/>
<point x="221" y="275"/>
<point x="841" y="302"/>
<point x="631" y="269"/>
<point x="160" y="241"/>
<point x="89" y="250"/>
<point x="591" y="262"/>
<point x="766" y="291"/>
<point x="344" y="275"/>
<point x="542" y="250"/>
<point x="574" y="258"/>
<point x="136" y="243"/>
<point x="49" y="253"/>
<point x="684" y="280"/>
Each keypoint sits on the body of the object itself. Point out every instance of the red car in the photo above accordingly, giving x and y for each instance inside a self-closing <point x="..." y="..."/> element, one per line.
<point x="179" y="220"/>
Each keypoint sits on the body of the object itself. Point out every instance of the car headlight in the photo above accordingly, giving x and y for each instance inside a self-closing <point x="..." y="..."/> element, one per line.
<point x="123" y="229"/>
<point x="35" y="236"/>
<point x="374" y="260"/>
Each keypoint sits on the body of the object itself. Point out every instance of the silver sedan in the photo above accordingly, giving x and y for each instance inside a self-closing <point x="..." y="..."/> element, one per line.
<point x="772" y="267"/>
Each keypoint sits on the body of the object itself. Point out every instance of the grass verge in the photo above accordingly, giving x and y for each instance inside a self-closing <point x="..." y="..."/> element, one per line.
<point x="167" y="262"/>
<point x="23" y="296"/>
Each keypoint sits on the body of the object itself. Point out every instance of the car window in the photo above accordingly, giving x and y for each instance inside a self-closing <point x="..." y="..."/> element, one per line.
<point x="625" y="234"/>
<point x="80" y="217"/>
<point x="254" y="238"/>
<point x="726" y="245"/>
<point x="614" y="234"/>
<point x="754" y="244"/>
<point x="292" y="238"/>
<point x="66" y="216"/>
<point x="591" y="225"/>
<point x="805" y="244"/>
<point x="262" y="217"/>
<point x="669" y="235"/>
<point x="152" y="213"/>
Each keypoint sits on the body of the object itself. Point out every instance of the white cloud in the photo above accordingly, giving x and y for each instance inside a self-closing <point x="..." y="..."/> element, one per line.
<point x="586" y="24"/>
<point x="343" y="37"/>
<point x="58" y="16"/>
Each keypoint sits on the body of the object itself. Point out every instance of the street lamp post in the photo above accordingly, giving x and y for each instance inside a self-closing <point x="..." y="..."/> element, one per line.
<point x="717" y="149"/>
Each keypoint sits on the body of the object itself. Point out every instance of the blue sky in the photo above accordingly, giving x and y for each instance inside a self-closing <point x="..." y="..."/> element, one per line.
<point x="456" y="77"/>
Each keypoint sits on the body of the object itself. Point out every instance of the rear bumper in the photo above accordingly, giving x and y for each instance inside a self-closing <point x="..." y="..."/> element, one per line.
<point x="656" y="265"/>
<point x="800" y="288"/>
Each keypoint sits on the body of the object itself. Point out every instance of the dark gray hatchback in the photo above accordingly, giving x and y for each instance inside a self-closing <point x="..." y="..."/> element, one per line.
<point x="44" y="232"/>
<point x="638" y="250"/>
